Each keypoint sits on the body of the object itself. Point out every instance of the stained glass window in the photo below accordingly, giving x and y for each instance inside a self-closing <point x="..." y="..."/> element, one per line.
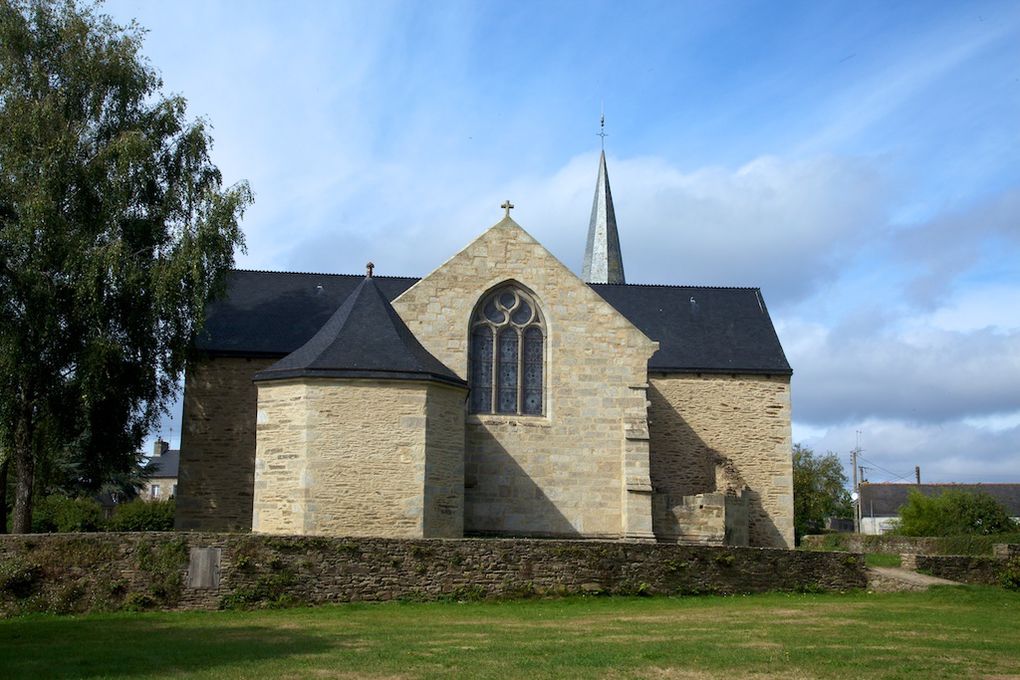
<point x="532" y="371"/>
<point x="507" y="354"/>
<point x="481" y="369"/>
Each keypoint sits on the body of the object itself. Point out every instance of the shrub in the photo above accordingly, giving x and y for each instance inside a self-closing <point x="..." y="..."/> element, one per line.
<point x="58" y="513"/>
<point x="953" y="513"/>
<point x="1010" y="576"/>
<point x="140" y="515"/>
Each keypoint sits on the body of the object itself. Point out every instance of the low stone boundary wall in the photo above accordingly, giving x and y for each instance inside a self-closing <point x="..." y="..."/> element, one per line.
<point x="871" y="544"/>
<point x="978" y="570"/>
<point x="1006" y="550"/>
<point x="910" y="545"/>
<point x="86" y="572"/>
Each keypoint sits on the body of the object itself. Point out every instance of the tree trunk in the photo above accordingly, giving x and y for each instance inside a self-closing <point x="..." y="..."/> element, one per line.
<point x="4" y="467"/>
<point x="24" y="475"/>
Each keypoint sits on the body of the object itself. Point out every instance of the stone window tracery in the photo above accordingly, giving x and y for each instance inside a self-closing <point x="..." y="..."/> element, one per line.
<point x="507" y="354"/>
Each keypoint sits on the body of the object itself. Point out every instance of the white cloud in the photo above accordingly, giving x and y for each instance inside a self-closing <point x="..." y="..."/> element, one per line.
<point x="949" y="452"/>
<point x="934" y="376"/>
<point x="778" y="224"/>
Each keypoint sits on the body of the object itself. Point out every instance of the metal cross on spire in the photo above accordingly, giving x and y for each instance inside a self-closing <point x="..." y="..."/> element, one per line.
<point x="508" y="206"/>
<point x="602" y="128"/>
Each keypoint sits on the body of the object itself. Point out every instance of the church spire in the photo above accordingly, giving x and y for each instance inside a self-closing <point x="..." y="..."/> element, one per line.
<point x="603" y="262"/>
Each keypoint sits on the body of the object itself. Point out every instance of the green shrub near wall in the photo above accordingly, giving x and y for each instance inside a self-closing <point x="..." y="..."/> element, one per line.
<point x="140" y="515"/>
<point x="1010" y="576"/>
<point x="60" y="514"/>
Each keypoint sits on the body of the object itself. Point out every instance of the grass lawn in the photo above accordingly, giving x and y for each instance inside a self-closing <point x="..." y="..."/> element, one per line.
<point x="882" y="559"/>
<point x="946" y="632"/>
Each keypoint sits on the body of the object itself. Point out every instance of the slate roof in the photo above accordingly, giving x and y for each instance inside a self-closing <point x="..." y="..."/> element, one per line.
<point x="271" y="314"/>
<point x="884" y="500"/>
<point x="166" y="465"/>
<point x="725" y="330"/>
<point x="364" y="338"/>
<point x="702" y="329"/>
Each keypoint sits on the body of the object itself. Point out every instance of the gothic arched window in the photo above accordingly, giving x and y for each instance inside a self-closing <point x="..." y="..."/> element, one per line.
<point x="507" y="354"/>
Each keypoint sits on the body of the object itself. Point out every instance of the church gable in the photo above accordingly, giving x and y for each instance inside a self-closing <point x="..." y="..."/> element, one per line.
<point x="438" y="308"/>
<point x="577" y="463"/>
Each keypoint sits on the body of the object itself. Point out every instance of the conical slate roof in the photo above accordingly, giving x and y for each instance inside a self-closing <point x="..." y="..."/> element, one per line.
<point x="603" y="262"/>
<point x="365" y="338"/>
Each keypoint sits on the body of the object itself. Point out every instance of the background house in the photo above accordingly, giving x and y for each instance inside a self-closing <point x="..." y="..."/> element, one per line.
<point x="162" y="482"/>
<point x="880" y="503"/>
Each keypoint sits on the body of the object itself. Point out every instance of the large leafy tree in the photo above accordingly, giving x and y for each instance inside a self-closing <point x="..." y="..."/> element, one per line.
<point x="819" y="490"/>
<point x="115" y="229"/>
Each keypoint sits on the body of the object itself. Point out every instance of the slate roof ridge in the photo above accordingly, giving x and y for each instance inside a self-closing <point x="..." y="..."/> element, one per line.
<point x="677" y="285"/>
<point x="295" y="273"/>
<point x="941" y="484"/>
<point x="418" y="278"/>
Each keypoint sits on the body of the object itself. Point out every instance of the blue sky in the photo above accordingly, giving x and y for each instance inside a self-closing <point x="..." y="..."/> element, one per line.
<point x="859" y="161"/>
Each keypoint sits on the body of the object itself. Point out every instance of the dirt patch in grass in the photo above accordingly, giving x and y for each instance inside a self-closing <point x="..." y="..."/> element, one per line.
<point x="687" y="674"/>
<point x="334" y="674"/>
<point x="759" y="644"/>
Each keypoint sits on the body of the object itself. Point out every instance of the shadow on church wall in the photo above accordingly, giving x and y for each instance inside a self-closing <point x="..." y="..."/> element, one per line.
<point x="682" y="463"/>
<point x="217" y="465"/>
<point x="501" y="498"/>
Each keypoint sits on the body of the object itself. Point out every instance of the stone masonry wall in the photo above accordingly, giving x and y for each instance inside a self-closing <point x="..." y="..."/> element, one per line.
<point x="1006" y="550"/>
<point x="348" y="457"/>
<point x="581" y="469"/>
<point x="281" y="459"/>
<point x="707" y="519"/>
<point x="919" y="545"/>
<point x="75" y="572"/>
<point x="720" y="433"/>
<point x="978" y="570"/>
<point x="217" y="467"/>
<point x="444" y="463"/>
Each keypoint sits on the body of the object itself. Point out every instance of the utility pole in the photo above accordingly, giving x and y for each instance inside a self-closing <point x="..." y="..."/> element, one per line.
<point x="856" y="495"/>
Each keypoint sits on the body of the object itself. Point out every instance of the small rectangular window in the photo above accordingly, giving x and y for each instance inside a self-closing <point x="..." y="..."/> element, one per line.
<point x="154" y="492"/>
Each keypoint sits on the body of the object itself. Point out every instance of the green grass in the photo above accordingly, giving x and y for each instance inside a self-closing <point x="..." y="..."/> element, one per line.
<point x="946" y="632"/>
<point x="882" y="559"/>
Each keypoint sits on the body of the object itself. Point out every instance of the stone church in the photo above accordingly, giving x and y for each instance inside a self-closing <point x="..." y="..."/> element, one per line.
<point x="500" y="395"/>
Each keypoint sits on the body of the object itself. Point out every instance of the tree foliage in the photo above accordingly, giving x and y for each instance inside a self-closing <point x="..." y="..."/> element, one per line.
<point x="953" y="513"/>
<point x="819" y="490"/>
<point x="115" y="230"/>
<point x="63" y="514"/>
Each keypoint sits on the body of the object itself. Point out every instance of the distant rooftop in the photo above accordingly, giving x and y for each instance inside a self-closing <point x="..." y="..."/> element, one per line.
<point x="165" y="466"/>
<point x="885" y="500"/>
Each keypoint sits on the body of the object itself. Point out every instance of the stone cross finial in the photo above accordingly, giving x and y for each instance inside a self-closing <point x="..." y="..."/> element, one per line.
<point x="368" y="269"/>
<point x="508" y="206"/>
